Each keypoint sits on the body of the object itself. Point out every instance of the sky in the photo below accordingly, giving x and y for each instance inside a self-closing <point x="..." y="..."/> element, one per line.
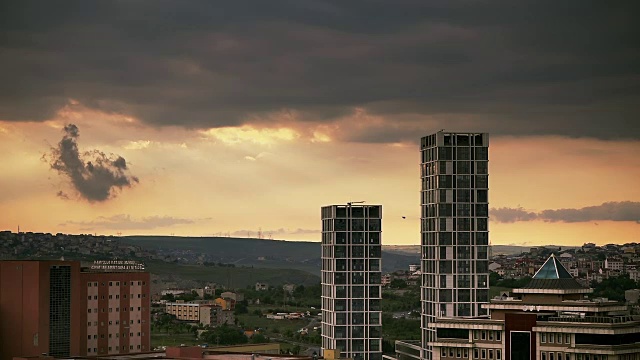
<point x="243" y="118"/>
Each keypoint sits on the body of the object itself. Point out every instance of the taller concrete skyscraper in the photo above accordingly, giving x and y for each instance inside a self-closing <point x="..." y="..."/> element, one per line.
<point x="351" y="280"/>
<point x="454" y="228"/>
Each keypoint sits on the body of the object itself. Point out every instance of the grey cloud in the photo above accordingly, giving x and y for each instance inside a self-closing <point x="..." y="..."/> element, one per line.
<point x="98" y="178"/>
<point x="279" y="231"/>
<point x="126" y="222"/>
<point x="609" y="211"/>
<point x="527" y="67"/>
<point x="510" y="215"/>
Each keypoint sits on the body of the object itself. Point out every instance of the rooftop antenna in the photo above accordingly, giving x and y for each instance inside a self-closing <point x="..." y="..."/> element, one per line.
<point x="355" y="202"/>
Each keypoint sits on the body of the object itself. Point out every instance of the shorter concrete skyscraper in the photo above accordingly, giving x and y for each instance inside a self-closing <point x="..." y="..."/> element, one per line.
<point x="351" y="280"/>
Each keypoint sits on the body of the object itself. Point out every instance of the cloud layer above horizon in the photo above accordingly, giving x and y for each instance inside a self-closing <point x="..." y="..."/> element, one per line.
<point x="609" y="211"/>
<point x="509" y="68"/>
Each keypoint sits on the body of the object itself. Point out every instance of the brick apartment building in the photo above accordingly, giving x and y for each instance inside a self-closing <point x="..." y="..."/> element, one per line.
<point x="61" y="309"/>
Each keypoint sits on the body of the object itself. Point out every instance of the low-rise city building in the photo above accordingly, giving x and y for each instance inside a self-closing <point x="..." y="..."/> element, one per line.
<point x="551" y="318"/>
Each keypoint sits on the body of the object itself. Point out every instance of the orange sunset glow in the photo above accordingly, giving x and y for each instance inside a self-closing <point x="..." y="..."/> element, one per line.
<point x="205" y="121"/>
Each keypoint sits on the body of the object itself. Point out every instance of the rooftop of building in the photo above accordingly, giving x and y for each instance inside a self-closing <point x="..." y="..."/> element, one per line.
<point x="553" y="278"/>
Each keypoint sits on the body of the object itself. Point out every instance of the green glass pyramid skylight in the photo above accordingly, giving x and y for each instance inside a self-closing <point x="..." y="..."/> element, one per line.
<point x="552" y="269"/>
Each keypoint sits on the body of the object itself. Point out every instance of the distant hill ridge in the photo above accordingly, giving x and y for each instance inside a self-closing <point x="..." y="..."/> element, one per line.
<point x="303" y="255"/>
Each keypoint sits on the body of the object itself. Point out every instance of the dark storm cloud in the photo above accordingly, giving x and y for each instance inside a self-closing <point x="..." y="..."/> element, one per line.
<point x="96" y="179"/>
<point x="611" y="211"/>
<point x="526" y="67"/>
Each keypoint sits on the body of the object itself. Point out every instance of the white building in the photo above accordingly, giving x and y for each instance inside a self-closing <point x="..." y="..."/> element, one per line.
<point x="613" y="264"/>
<point x="454" y="227"/>
<point x="351" y="280"/>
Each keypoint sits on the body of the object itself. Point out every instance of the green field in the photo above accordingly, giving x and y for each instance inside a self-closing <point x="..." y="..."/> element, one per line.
<point x="164" y="339"/>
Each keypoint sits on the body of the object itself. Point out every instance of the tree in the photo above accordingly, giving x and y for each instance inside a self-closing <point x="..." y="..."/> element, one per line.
<point x="494" y="277"/>
<point x="169" y="297"/>
<point x="398" y="284"/>
<point x="614" y="287"/>
<point x="259" y="339"/>
<point x="241" y="308"/>
<point x="225" y="335"/>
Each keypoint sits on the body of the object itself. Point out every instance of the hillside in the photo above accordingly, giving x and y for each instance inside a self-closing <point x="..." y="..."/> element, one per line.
<point x="254" y="252"/>
<point x="495" y="249"/>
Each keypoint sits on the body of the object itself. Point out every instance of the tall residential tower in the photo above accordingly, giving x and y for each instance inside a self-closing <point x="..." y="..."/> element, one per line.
<point x="454" y="228"/>
<point x="351" y="280"/>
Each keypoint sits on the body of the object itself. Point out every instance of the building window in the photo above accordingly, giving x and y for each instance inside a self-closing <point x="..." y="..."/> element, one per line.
<point x="498" y="354"/>
<point x="567" y="339"/>
<point x="543" y="355"/>
<point x="490" y="334"/>
<point x="89" y="349"/>
<point x="543" y="338"/>
<point x="567" y="356"/>
<point x="465" y="353"/>
<point x="450" y="352"/>
<point x="88" y="337"/>
<point x="551" y="339"/>
<point x="443" y="352"/>
<point x="491" y="354"/>
<point x="484" y="335"/>
<point x="89" y="311"/>
<point x="483" y="353"/>
<point x="475" y="334"/>
<point x="475" y="353"/>
<point x="551" y="357"/>
<point x="458" y="352"/>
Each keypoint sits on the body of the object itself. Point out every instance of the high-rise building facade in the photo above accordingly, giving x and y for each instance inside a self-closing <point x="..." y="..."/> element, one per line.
<point x="61" y="309"/>
<point x="454" y="228"/>
<point x="351" y="280"/>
